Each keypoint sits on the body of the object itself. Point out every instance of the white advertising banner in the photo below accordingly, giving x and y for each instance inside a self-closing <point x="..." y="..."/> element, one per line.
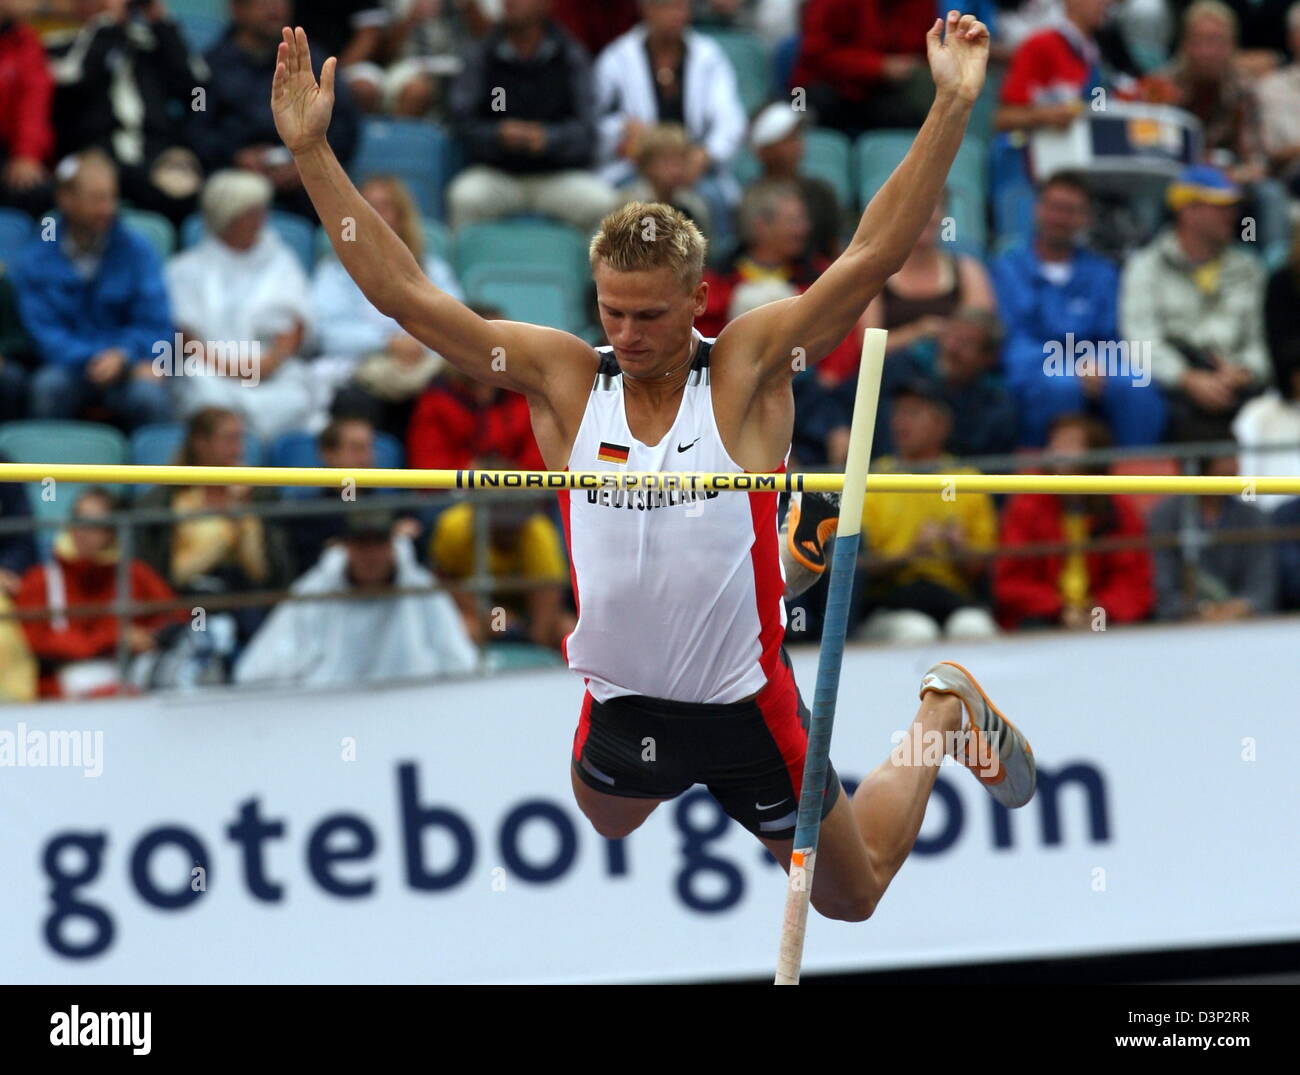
<point x="429" y="833"/>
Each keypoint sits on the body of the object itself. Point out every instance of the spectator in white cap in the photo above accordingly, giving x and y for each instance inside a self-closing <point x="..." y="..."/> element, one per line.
<point x="241" y="301"/>
<point x="776" y="139"/>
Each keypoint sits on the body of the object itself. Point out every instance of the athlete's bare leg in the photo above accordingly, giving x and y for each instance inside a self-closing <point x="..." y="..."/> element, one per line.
<point x="863" y="842"/>
<point x="613" y="816"/>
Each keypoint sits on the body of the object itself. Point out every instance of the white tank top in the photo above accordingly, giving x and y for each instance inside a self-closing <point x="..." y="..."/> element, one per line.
<point x="679" y="594"/>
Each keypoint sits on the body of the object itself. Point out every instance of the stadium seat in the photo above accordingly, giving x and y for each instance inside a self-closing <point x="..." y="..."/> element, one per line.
<point x="152" y="226"/>
<point x="828" y="155"/>
<point x="158" y="445"/>
<point x="17" y="229"/>
<point x="749" y="60"/>
<point x="299" y="235"/>
<point x="417" y="151"/>
<point x="524" y="241"/>
<point x="514" y="656"/>
<point x="213" y="9"/>
<point x="297" y="232"/>
<point x="200" y="31"/>
<point x="299" y="449"/>
<point x="533" y="293"/>
<point x="59" y="442"/>
<point x="437" y="240"/>
<point x="880" y="152"/>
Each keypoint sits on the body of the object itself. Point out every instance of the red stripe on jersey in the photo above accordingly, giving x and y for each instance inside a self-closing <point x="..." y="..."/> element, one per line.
<point x="584" y="726"/>
<point x="769" y="587"/>
<point x="778" y="701"/>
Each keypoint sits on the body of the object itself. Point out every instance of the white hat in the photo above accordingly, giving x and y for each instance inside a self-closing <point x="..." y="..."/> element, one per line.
<point x="231" y="193"/>
<point x="775" y="122"/>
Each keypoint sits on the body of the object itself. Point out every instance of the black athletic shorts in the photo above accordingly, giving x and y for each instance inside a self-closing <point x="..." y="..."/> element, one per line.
<point x="750" y="755"/>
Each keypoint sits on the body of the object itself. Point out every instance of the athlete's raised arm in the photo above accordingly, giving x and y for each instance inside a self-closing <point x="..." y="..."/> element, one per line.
<point x="816" y="321"/>
<point x="503" y="353"/>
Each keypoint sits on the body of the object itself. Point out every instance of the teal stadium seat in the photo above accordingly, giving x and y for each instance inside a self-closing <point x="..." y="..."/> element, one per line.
<point x="298" y="449"/>
<point x="201" y="31"/>
<point x="152" y="226"/>
<point x="17" y="229"/>
<point x="750" y="61"/>
<point x="520" y="656"/>
<point x="525" y="241"/>
<point x="416" y="150"/>
<point x="59" y="442"/>
<point x="538" y="294"/>
<point x="213" y="9"/>
<point x="437" y="240"/>
<point x="827" y="155"/>
<point x="880" y="152"/>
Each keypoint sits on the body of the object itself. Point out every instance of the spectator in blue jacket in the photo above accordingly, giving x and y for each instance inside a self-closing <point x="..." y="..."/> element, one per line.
<point x="17" y="551"/>
<point x="236" y="128"/>
<point x="1059" y="305"/>
<point x="91" y="294"/>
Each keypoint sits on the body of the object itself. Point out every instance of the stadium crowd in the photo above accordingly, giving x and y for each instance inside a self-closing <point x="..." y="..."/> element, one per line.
<point x="165" y="284"/>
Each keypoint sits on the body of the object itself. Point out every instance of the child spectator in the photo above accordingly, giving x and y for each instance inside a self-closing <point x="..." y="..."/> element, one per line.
<point x="663" y="167"/>
<point x="205" y="550"/>
<point x="77" y="649"/>
<point x="1070" y="589"/>
<point x="924" y="571"/>
<point x="459" y="421"/>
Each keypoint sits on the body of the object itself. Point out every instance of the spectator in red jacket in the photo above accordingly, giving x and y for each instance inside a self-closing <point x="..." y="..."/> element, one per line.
<point x="1072" y="590"/>
<point x="458" y="421"/>
<point x="26" y="131"/>
<point x="76" y="650"/>
<point x="863" y="63"/>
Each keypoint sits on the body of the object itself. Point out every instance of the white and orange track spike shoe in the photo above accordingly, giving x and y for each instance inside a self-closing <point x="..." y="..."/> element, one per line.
<point x="988" y="744"/>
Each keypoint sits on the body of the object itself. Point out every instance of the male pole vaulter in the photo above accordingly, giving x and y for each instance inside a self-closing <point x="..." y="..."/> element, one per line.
<point x="681" y="621"/>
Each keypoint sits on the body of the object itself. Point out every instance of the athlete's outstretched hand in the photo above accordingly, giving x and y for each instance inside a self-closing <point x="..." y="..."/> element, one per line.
<point x="959" y="57"/>
<point x="301" y="107"/>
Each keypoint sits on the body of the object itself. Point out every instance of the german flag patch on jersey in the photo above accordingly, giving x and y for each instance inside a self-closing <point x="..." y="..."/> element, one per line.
<point x="613" y="453"/>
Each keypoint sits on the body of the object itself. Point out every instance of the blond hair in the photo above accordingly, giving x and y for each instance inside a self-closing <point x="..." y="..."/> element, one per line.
<point x="1213" y="9"/>
<point x="649" y="235"/>
<point x="661" y="138"/>
<point x="409" y="228"/>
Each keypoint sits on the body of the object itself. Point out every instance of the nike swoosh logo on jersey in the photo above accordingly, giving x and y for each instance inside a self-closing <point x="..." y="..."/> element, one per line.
<point x="771" y="806"/>
<point x="686" y="447"/>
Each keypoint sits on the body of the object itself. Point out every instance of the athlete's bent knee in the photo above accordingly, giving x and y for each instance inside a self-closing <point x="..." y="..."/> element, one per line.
<point x="613" y="830"/>
<point x="845" y="908"/>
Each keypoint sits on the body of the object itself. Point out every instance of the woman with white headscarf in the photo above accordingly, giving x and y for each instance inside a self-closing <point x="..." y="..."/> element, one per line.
<point x="243" y="295"/>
